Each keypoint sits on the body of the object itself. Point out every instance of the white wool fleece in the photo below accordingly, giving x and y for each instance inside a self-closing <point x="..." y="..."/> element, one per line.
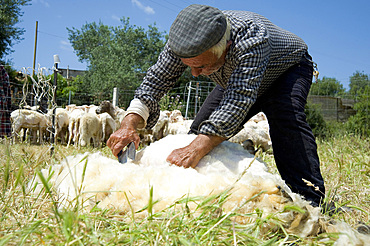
<point x="112" y="184"/>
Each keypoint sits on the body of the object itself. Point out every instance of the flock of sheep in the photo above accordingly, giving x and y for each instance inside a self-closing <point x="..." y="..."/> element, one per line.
<point x="91" y="124"/>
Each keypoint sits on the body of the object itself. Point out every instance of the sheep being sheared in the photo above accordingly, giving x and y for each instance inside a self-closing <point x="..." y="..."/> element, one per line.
<point x="100" y="181"/>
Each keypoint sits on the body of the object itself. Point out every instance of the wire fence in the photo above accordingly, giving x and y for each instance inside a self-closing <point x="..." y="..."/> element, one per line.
<point x="190" y="98"/>
<point x="334" y="108"/>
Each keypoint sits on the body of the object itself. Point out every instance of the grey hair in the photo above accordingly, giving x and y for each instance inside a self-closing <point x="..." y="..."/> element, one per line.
<point x="220" y="47"/>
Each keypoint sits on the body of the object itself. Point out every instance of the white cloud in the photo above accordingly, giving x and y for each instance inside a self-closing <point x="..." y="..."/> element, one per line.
<point x="115" y="17"/>
<point x="43" y="2"/>
<point x="65" y="45"/>
<point x="147" y="9"/>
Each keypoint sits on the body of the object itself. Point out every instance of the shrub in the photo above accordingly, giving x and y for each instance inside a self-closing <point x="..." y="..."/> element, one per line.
<point x="170" y="103"/>
<point x="359" y="123"/>
<point x="316" y="120"/>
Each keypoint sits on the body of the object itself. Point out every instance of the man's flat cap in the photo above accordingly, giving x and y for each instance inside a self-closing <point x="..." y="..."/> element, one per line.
<point x="196" y="29"/>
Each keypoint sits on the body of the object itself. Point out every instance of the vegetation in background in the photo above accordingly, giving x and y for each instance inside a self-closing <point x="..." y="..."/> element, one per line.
<point x="170" y="102"/>
<point x="10" y="34"/>
<point x="360" y="91"/>
<point x="359" y="83"/>
<point x="116" y="56"/>
<point x="359" y="123"/>
<point x="316" y="120"/>
<point x="327" y="87"/>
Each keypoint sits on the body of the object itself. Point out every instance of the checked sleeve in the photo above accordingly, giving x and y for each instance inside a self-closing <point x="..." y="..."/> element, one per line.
<point x="160" y="78"/>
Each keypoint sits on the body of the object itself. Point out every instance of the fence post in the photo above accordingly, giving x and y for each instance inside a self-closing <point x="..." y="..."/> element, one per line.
<point x="196" y="99"/>
<point x="187" y="102"/>
<point x="115" y="97"/>
<point x="338" y="109"/>
<point x="69" y="97"/>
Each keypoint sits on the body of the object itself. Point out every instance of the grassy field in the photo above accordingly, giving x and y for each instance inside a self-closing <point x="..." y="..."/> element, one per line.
<point x="29" y="220"/>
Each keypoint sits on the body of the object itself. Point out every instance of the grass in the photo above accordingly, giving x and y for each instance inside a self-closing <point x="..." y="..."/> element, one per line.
<point x="29" y="220"/>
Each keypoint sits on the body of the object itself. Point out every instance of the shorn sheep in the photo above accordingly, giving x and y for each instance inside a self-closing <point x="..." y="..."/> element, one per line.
<point x="100" y="181"/>
<point x="108" y="126"/>
<point x="61" y="122"/>
<point x="255" y="133"/>
<point x="90" y="130"/>
<point x="29" y="119"/>
<point x="75" y="114"/>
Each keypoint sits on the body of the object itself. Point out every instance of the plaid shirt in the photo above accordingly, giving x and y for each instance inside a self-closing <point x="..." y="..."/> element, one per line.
<point x="260" y="52"/>
<point x="5" y="101"/>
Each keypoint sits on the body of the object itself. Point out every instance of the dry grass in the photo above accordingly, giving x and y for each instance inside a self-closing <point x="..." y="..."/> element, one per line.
<point x="36" y="220"/>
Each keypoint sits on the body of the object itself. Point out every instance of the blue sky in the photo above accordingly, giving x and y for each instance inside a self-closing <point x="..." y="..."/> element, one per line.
<point x="337" y="32"/>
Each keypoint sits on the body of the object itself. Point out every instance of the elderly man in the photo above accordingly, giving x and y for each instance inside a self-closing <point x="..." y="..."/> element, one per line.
<point x="257" y="66"/>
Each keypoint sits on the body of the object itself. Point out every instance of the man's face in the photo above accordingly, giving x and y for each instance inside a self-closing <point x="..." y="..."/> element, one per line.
<point x="204" y="64"/>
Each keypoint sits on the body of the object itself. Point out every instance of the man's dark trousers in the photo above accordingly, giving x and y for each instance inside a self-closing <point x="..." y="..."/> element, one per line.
<point x="293" y="142"/>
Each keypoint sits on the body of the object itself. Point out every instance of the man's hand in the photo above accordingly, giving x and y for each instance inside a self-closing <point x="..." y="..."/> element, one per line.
<point x="190" y="155"/>
<point x="126" y="134"/>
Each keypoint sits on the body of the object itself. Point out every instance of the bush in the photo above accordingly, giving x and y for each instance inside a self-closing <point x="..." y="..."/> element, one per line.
<point x="359" y="123"/>
<point x="170" y="103"/>
<point x="316" y="120"/>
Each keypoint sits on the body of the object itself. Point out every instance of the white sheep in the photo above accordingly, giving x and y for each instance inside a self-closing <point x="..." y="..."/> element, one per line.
<point x="34" y="108"/>
<point x="91" y="108"/>
<point x="176" y="116"/>
<point x="180" y="126"/>
<point x="177" y="123"/>
<point x="255" y="133"/>
<point x="115" y="112"/>
<point x="160" y="128"/>
<point x="75" y="114"/>
<point x="108" y="184"/>
<point x="259" y="117"/>
<point x="29" y="119"/>
<point x="61" y="123"/>
<point x="108" y="126"/>
<point x="158" y="131"/>
<point x="90" y="129"/>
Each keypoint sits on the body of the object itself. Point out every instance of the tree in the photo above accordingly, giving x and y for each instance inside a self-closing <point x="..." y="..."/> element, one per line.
<point x="116" y="56"/>
<point x="358" y="83"/>
<point x="327" y="87"/>
<point x="10" y="12"/>
<point x="360" y="122"/>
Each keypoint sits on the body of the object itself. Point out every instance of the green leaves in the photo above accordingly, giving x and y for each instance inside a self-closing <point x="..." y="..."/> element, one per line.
<point x="327" y="87"/>
<point x="117" y="56"/>
<point x="10" y="12"/>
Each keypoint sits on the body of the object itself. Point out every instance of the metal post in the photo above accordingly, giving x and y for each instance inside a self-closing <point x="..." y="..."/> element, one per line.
<point x="187" y="102"/>
<point x="34" y="51"/>
<point x="54" y="102"/>
<point x="196" y="99"/>
<point x="115" y="97"/>
<point x="53" y="134"/>
<point x="69" y="97"/>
